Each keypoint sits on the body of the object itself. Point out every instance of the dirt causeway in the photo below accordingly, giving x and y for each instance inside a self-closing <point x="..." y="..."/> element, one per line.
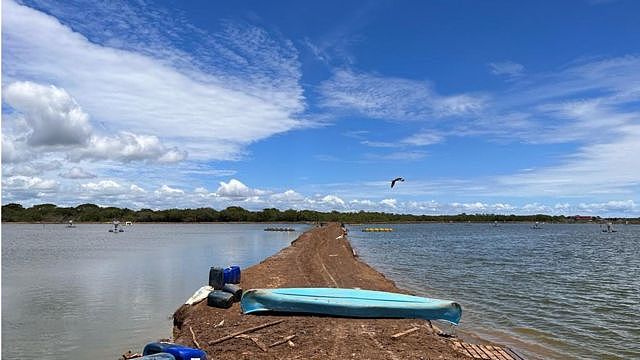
<point x="318" y="258"/>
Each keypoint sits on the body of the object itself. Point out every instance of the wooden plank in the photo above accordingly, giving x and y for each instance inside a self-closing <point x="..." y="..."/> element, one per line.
<point x="507" y="354"/>
<point x="462" y="345"/>
<point x="480" y="352"/>
<point x="495" y="351"/>
<point x="488" y="353"/>
<point x="474" y="353"/>
<point x="503" y="354"/>
<point x="461" y="348"/>
<point x="495" y="354"/>
<point x="513" y="354"/>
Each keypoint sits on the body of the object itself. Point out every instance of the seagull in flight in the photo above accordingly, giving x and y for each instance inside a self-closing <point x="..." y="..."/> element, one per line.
<point x="394" y="181"/>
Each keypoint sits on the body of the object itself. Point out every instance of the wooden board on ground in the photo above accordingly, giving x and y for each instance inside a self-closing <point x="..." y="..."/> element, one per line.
<point x="486" y="352"/>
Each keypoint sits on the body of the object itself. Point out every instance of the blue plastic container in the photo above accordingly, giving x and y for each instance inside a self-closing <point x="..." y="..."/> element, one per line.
<point x="186" y="353"/>
<point x="156" y="347"/>
<point x="228" y="276"/>
<point x="236" y="271"/>
<point x="158" y="356"/>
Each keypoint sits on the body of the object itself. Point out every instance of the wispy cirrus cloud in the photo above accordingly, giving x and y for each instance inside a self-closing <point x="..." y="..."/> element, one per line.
<point x="103" y="86"/>
<point x="138" y="92"/>
<point x="508" y="68"/>
<point x="389" y="98"/>
<point x="422" y="138"/>
<point x="592" y="105"/>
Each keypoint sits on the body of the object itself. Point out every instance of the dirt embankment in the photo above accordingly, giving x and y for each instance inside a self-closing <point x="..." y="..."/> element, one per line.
<point x="318" y="258"/>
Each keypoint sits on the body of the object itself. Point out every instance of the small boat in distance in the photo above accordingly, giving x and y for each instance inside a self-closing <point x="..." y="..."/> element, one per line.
<point x="607" y="228"/>
<point x="377" y="230"/>
<point x="279" y="229"/>
<point x="116" y="228"/>
<point x="537" y="225"/>
<point x="70" y="224"/>
<point x="128" y="223"/>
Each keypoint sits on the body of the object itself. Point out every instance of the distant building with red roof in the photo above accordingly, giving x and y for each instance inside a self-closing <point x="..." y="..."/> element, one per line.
<point x="584" y="218"/>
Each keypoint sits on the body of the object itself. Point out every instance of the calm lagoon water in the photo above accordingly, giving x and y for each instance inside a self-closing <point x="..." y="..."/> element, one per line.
<point x="85" y="293"/>
<point x="560" y="292"/>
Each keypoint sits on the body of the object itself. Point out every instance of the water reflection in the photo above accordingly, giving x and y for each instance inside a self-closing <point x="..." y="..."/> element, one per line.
<point x="86" y="293"/>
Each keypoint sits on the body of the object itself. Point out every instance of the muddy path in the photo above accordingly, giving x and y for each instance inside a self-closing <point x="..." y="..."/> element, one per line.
<point x="318" y="258"/>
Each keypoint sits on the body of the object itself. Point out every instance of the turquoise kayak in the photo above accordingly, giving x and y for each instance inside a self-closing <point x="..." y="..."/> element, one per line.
<point x="349" y="303"/>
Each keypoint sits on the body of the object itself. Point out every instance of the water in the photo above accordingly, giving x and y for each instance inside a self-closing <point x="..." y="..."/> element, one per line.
<point x="85" y="293"/>
<point x="560" y="292"/>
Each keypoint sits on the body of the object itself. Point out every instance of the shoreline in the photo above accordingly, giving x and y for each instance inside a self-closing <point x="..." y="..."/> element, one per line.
<point x="313" y="222"/>
<point x="317" y="258"/>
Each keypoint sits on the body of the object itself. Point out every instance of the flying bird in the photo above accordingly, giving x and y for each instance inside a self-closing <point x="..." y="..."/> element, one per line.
<point x="394" y="181"/>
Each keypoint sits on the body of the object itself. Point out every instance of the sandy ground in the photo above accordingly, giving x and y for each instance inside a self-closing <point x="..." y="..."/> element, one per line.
<point x="315" y="259"/>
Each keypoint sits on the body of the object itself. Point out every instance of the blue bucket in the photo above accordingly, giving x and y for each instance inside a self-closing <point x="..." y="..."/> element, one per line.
<point x="228" y="276"/>
<point x="235" y="269"/>
<point x="156" y="347"/>
<point x="186" y="353"/>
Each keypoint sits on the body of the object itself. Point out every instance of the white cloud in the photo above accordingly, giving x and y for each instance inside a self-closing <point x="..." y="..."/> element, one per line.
<point x="126" y="147"/>
<point x="31" y="168"/>
<point x="508" y="68"/>
<point x="402" y="156"/>
<point x="360" y="204"/>
<point x="380" y="144"/>
<point x="423" y="139"/>
<point x="618" y="206"/>
<point x="54" y="119"/>
<point x="333" y="201"/>
<point x="29" y="183"/>
<point x="77" y="173"/>
<point x="168" y="191"/>
<point x="201" y="191"/>
<point x="28" y="188"/>
<point x="236" y="189"/>
<point x="14" y="151"/>
<point x="137" y="189"/>
<point x="289" y="196"/>
<point x="476" y="206"/>
<point x="391" y="98"/>
<point x="218" y="114"/>
<point x="53" y="116"/>
<point x="103" y="187"/>
<point x="392" y="203"/>
<point x="172" y="155"/>
<point x="605" y="167"/>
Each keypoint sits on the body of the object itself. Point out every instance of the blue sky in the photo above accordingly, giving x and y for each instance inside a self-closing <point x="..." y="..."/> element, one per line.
<point x="483" y="107"/>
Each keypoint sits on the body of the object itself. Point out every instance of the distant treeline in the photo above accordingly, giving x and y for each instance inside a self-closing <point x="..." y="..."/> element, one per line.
<point x="93" y="213"/>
